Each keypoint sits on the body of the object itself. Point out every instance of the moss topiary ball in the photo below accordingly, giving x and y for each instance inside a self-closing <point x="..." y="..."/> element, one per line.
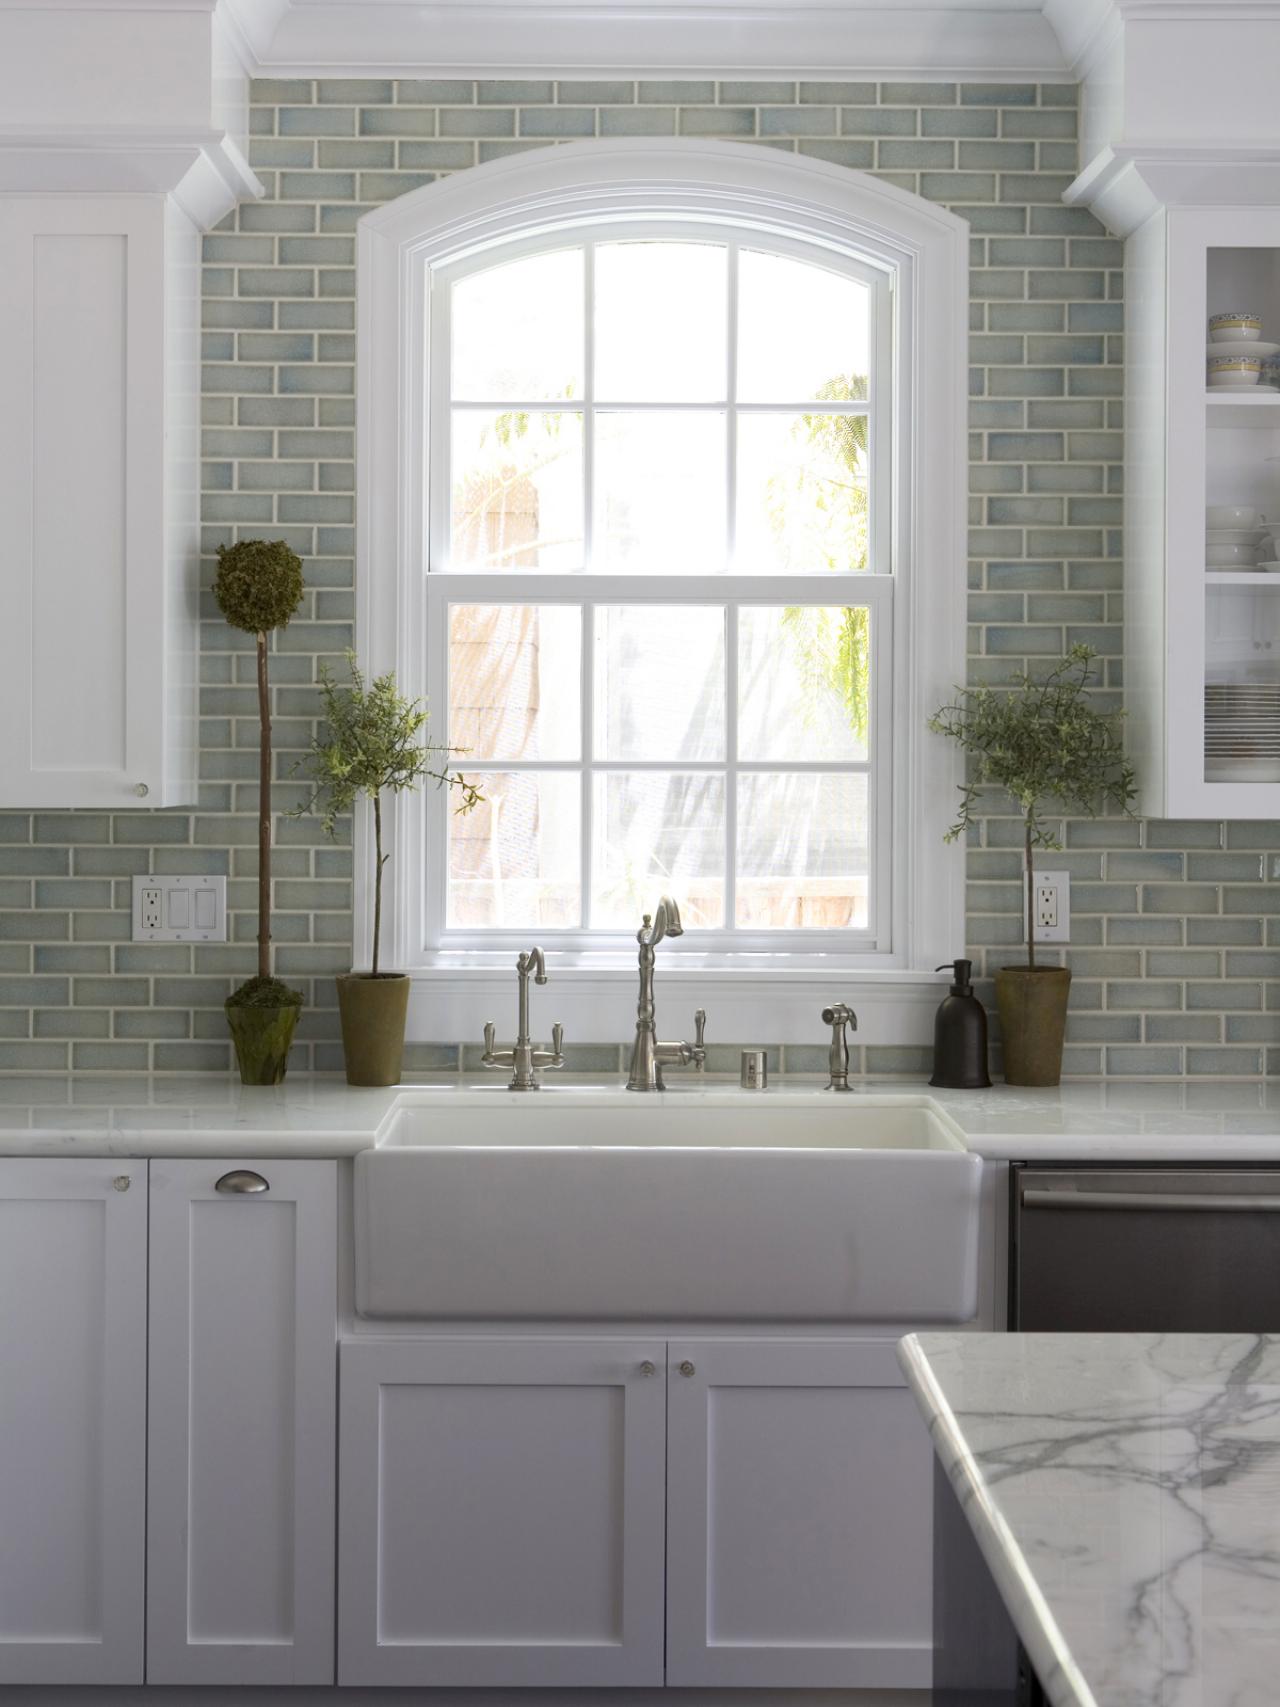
<point x="259" y="584"/>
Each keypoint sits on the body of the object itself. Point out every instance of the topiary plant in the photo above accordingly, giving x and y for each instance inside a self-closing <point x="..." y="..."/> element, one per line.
<point x="371" y="745"/>
<point x="1043" y="742"/>
<point x="258" y="587"/>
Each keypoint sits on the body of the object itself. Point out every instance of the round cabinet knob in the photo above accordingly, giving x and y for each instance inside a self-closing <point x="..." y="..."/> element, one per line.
<point x="686" y="1368"/>
<point x="241" y="1182"/>
<point x="121" y="1182"/>
<point x="141" y="790"/>
<point x="648" y="1367"/>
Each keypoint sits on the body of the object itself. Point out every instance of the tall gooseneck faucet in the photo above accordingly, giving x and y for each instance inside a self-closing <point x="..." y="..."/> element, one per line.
<point x="523" y="1059"/>
<point x="647" y="1054"/>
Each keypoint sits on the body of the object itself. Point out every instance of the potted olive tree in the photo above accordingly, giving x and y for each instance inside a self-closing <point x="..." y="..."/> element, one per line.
<point x="370" y="745"/>
<point x="258" y="588"/>
<point x="1051" y="749"/>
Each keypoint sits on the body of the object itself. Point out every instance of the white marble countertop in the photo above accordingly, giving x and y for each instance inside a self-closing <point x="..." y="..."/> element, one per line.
<point x="1119" y="1120"/>
<point x="1125" y="1492"/>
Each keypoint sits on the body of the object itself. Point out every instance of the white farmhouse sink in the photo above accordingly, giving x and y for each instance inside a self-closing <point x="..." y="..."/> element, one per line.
<point x="684" y="1206"/>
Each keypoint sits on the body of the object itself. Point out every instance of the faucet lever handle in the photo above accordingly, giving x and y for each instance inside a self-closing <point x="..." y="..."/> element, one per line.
<point x="557" y="1045"/>
<point x="490" y="1037"/>
<point x="700" y="1038"/>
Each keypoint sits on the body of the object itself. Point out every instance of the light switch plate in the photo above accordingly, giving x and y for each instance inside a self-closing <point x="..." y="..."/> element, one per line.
<point x="179" y="909"/>
<point x="1051" y="906"/>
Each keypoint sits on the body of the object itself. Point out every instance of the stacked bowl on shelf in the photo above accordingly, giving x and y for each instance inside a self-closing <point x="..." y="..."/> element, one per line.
<point x="1239" y="357"/>
<point x="1236" y="539"/>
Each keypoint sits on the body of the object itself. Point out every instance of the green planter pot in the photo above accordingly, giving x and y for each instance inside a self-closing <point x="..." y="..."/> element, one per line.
<point x="373" y="1012"/>
<point x="262" y="1037"/>
<point x="1033" y="1022"/>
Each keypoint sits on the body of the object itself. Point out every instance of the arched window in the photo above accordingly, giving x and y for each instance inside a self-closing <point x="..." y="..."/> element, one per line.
<point x="660" y="508"/>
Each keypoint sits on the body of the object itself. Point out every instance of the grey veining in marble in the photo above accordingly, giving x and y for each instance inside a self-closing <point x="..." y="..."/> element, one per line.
<point x="1125" y="1492"/>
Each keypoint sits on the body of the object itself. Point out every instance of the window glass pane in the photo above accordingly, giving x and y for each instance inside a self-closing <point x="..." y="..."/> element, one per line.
<point x="804" y="682"/>
<point x="802" y="851"/>
<point x="802" y="504"/>
<point x="801" y="330"/>
<point x="515" y="860"/>
<point x="517" y="489"/>
<point x="653" y="832"/>
<point x="518" y="330"/>
<point x="659" y="688"/>
<point x="661" y="322"/>
<point x="515" y="681"/>
<point x="659" y="492"/>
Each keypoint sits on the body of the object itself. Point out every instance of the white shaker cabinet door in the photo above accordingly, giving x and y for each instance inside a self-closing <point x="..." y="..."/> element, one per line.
<point x="242" y="1417"/>
<point x="99" y="389"/>
<point x="73" y="1369"/>
<point x="799" y="1517"/>
<point x="501" y="1512"/>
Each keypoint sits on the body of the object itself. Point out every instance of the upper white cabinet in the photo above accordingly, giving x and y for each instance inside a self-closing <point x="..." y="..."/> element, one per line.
<point x="242" y="1410"/>
<point x="99" y="394"/>
<point x="799" y="1517"/>
<point x="73" y="1352"/>
<point x="502" y="1512"/>
<point x="1202" y="634"/>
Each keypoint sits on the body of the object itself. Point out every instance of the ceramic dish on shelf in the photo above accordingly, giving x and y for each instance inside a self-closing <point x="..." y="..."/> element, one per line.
<point x="1236" y="326"/>
<point x="1231" y="568"/>
<point x="1231" y="556"/>
<point x="1270" y="567"/>
<point x="1233" y="516"/>
<point x="1234" y="370"/>
<point x="1231" y="536"/>
<point x="1258" y="349"/>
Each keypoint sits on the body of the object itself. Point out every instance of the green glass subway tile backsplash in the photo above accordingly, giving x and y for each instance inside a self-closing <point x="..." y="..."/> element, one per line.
<point x="1176" y="926"/>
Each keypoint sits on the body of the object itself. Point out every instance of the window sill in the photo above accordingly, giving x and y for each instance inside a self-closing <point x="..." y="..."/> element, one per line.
<point x="749" y="999"/>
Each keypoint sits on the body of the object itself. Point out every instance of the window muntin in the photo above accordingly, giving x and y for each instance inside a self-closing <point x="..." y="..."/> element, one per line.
<point x="704" y="712"/>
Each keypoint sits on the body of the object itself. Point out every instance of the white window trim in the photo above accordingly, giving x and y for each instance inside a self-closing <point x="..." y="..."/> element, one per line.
<point x="787" y="196"/>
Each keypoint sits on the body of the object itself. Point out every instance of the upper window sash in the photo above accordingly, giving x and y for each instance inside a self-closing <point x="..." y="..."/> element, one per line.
<point x="878" y="407"/>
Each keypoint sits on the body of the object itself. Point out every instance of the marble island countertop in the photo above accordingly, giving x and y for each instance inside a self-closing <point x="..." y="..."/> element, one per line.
<point x="1124" y="1490"/>
<point x="1115" y="1120"/>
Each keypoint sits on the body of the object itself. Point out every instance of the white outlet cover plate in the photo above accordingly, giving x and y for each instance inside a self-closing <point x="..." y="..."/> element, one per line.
<point x="1061" y="881"/>
<point x="192" y="909"/>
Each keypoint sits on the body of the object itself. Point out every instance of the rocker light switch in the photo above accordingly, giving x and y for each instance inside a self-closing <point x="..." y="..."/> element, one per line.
<point x="179" y="909"/>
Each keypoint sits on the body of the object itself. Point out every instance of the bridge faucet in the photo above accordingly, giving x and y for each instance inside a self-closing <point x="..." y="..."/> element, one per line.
<point x="647" y="1055"/>
<point x="523" y="1059"/>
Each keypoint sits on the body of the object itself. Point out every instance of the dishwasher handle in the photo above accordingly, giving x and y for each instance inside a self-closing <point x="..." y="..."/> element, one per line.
<point x="1236" y="1203"/>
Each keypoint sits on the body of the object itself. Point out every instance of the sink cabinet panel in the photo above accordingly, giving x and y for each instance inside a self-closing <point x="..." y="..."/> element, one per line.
<point x="799" y="1517"/>
<point x="242" y="1416"/>
<point x="73" y="1291"/>
<point x="502" y="1512"/>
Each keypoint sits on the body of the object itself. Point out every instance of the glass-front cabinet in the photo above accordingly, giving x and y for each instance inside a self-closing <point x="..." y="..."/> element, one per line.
<point x="1202" y="609"/>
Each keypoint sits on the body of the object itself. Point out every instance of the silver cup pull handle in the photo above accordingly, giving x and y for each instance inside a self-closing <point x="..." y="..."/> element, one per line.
<point x="241" y="1182"/>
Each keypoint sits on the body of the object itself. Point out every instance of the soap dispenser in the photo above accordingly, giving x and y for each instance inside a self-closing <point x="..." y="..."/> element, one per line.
<point x="960" y="1035"/>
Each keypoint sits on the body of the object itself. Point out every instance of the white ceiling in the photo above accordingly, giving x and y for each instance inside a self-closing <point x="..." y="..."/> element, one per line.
<point x="999" y="40"/>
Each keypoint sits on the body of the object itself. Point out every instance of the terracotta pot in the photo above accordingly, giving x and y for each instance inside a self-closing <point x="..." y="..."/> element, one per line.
<point x="1033" y="1020"/>
<point x="373" y="1013"/>
<point x="262" y="1037"/>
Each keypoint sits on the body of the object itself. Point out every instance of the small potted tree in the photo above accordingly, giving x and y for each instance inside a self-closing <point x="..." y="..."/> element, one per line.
<point x="258" y="588"/>
<point x="1049" y="747"/>
<point x="371" y="746"/>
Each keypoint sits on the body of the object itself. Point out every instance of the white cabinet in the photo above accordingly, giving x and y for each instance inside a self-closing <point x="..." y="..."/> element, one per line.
<point x="799" y="1517"/>
<point x="501" y="1512"/>
<point x="242" y="1417"/>
<point x="99" y="395"/>
<point x="73" y="1288"/>
<point x="1202" y="641"/>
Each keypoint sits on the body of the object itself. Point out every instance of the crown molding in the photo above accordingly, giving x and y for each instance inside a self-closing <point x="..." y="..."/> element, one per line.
<point x="987" y="40"/>
<point x="1124" y="186"/>
<point x="202" y="170"/>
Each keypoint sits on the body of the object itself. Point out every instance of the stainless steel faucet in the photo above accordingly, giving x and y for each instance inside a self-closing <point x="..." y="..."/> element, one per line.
<point x="838" y="1017"/>
<point x="523" y="1059"/>
<point x="648" y="1056"/>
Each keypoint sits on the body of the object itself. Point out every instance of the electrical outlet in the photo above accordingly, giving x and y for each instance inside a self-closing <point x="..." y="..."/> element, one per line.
<point x="1051" y="906"/>
<point x="179" y="909"/>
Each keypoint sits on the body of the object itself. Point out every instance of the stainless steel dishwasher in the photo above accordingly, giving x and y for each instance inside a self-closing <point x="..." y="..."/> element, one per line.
<point x="1154" y="1249"/>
